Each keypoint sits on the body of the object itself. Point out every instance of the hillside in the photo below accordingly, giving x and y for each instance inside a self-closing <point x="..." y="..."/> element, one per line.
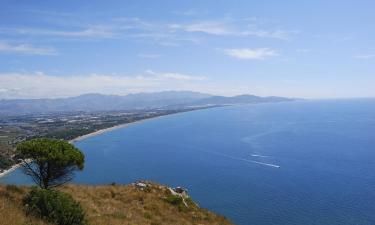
<point x="115" y="204"/>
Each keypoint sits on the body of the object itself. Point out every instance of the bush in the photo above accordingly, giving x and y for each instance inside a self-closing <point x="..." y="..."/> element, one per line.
<point x="5" y="163"/>
<point x="174" y="199"/>
<point x="177" y="201"/>
<point x="55" y="207"/>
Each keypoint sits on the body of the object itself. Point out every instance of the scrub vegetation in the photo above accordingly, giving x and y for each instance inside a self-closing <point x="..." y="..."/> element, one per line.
<point x="112" y="204"/>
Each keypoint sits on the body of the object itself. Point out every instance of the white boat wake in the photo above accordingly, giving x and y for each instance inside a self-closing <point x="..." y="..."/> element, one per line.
<point x="245" y="160"/>
<point x="262" y="163"/>
<point x="261" y="156"/>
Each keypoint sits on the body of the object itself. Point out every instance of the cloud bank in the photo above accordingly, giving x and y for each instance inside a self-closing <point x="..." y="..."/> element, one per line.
<point x="26" y="49"/>
<point x="251" y="53"/>
<point x="40" y="85"/>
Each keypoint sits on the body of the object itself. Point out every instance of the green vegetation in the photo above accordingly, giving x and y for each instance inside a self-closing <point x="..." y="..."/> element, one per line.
<point x="69" y="134"/>
<point x="177" y="201"/>
<point x="50" y="162"/>
<point x="54" y="206"/>
<point x="174" y="199"/>
<point x="5" y="162"/>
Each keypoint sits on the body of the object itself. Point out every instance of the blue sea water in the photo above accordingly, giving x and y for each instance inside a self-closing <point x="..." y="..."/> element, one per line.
<point x="292" y="163"/>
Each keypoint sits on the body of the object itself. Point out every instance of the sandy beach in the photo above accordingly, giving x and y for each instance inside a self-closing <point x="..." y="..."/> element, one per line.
<point x="112" y="128"/>
<point x="11" y="169"/>
<point x="14" y="167"/>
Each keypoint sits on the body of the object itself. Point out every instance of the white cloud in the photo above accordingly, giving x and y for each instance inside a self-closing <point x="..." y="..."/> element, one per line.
<point x="233" y="27"/>
<point x="179" y="76"/>
<point x="26" y="49"/>
<point x="174" y="33"/>
<point x="40" y="85"/>
<point x="251" y="53"/>
<point x="160" y="32"/>
<point x="89" y="32"/>
<point x="277" y="34"/>
<point x="208" y="27"/>
<point x="365" y="56"/>
<point x="176" y="76"/>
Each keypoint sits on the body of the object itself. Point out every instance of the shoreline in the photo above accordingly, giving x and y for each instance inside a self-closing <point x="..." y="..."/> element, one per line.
<point x="11" y="169"/>
<point x="82" y="137"/>
<point x="98" y="132"/>
<point x="105" y="130"/>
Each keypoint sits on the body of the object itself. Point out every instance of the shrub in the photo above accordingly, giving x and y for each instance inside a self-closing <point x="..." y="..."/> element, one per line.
<point x="177" y="201"/>
<point x="4" y="162"/>
<point x="55" y="207"/>
<point x="174" y="199"/>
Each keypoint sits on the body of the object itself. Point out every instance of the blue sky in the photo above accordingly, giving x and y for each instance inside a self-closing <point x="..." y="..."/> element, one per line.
<point x="308" y="49"/>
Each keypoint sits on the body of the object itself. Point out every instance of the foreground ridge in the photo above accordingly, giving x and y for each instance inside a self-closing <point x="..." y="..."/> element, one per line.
<point x="138" y="203"/>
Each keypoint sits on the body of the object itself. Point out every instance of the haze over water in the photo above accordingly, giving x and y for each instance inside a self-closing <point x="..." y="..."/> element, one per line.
<point x="293" y="163"/>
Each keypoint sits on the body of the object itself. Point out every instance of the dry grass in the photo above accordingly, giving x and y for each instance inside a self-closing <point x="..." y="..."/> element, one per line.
<point x="11" y="211"/>
<point x="114" y="205"/>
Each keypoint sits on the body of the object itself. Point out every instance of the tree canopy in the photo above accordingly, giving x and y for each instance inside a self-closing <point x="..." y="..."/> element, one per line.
<point x="50" y="162"/>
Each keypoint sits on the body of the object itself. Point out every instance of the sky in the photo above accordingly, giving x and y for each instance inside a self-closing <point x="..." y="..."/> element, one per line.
<point x="305" y="49"/>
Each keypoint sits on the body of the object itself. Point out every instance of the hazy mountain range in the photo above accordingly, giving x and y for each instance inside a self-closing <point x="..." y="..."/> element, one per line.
<point x="100" y="102"/>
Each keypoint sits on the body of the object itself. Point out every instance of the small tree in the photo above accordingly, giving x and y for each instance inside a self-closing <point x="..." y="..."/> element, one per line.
<point x="50" y="162"/>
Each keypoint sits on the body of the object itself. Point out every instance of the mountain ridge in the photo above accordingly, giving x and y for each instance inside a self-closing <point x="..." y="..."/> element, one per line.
<point x="138" y="101"/>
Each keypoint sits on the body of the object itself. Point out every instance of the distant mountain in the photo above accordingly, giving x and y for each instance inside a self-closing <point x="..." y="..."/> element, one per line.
<point x="240" y="99"/>
<point x="99" y="102"/>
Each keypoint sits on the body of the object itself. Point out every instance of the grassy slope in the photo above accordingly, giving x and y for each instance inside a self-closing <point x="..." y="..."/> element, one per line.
<point x="11" y="212"/>
<point x="114" y="204"/>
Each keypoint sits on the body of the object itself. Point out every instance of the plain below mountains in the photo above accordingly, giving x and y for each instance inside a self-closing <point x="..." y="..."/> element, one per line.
<point x="99" y="102"/>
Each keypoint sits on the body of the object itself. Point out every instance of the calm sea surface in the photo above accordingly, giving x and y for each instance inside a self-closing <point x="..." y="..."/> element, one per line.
<point x="310" y="163"/>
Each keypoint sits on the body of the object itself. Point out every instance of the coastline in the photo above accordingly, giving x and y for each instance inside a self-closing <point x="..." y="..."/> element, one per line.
<point x="82" y="137"/>
<point x="11" y="169"/>
<point x="101" y="131"/>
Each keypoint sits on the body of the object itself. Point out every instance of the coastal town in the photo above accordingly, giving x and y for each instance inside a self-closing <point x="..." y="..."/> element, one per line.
<point x="65" y="126"/>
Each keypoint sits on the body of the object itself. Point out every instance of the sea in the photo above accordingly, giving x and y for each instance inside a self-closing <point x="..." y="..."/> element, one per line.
<point x="290" y="163"/>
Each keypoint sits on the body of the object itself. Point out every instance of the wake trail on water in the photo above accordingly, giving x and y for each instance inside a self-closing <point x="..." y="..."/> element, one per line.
<point x="261" y="156"/>
<point x="244" y="160"/>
